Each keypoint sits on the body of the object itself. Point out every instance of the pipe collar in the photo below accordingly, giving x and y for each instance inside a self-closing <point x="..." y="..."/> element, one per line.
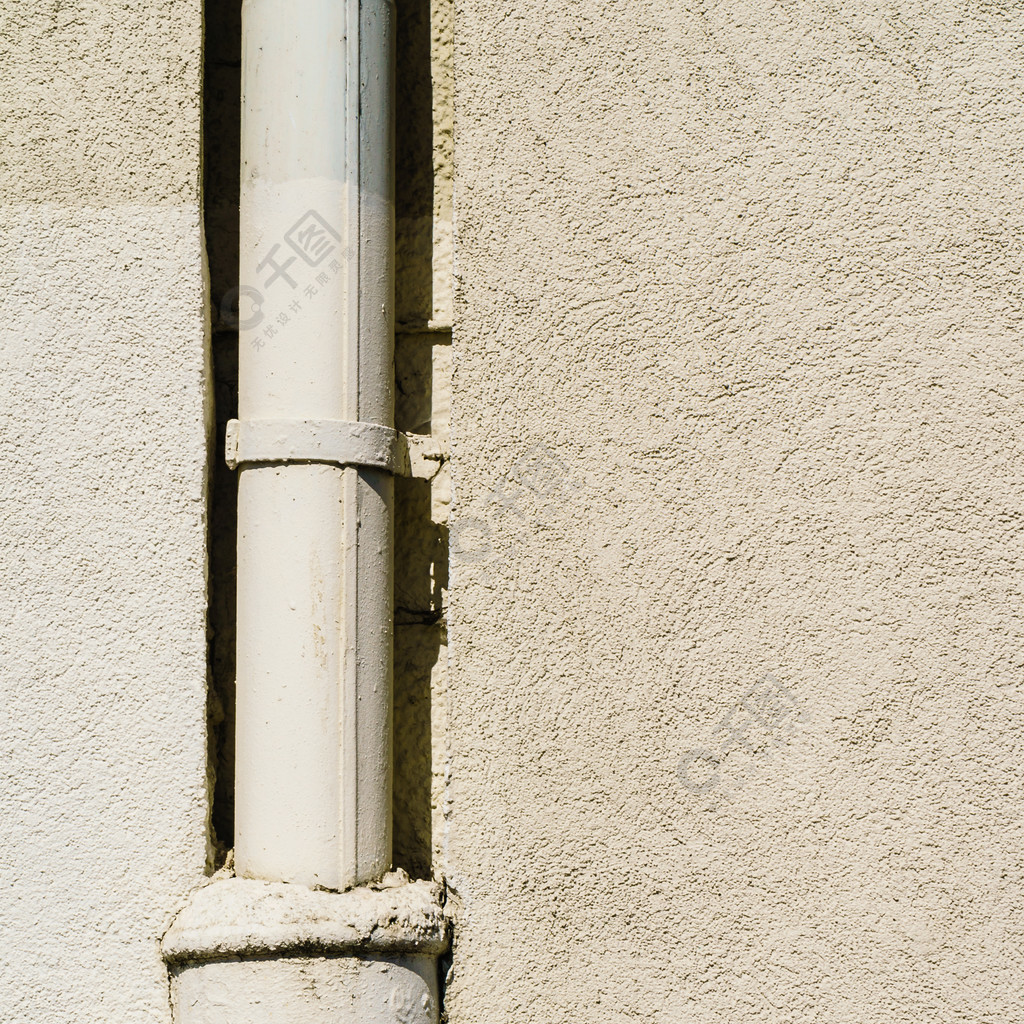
<point x="245" y="917"/>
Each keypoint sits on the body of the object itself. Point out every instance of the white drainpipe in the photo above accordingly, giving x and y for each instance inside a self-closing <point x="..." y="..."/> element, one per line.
<point x="316" y="449"/>
<point x="313" y="769"/>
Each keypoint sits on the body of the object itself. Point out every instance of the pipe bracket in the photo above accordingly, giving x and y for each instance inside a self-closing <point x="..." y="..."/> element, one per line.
<point x="339" y="442"/>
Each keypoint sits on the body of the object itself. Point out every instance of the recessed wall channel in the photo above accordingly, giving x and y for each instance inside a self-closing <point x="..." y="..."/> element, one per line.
<point x="308" y="922"/>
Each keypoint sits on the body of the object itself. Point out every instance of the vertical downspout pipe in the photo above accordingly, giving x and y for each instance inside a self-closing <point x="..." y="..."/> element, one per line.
<point x="315" y="522"/>
<point x="316" y="448"/>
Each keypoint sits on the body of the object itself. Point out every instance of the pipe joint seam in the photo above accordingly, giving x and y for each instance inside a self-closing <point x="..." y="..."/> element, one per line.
<point x="243" y="917"/>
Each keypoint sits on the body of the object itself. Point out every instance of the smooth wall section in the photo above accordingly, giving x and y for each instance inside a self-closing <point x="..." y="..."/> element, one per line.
<point x="103" y="458"/>
<point x="737" y="660"/>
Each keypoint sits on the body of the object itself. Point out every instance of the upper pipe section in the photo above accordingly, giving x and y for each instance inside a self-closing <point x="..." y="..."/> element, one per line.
<point x="317" y="210"/>
<point x="296" y="80"/>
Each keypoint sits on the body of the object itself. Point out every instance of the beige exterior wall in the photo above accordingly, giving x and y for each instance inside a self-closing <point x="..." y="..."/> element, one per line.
<point x="724" y="721"/>
<point x="736" y="646"/>
<point x="102" y="476"/>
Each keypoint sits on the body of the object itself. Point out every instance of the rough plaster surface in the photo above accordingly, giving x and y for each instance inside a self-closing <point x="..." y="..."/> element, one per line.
<point x="100" y="101"/>
<point x="103" y="454"/>
<point x="103" y="651"/>
<point x="736" y="697"/>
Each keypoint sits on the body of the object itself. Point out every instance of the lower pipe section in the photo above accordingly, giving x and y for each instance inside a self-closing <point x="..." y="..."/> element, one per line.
<point x="307" y="990"/>
<point x="313" y="741"/>
<point x="250" y="952"/>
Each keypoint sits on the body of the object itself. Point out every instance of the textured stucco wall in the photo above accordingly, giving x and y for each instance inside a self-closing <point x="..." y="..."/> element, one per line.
<point x="102" y="468"/>
<point x="737" y="666"/>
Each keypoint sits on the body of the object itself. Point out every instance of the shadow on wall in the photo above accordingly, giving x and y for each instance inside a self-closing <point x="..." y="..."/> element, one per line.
<point x="421" y="580"/>
<point x="221" y="110"/>
<point x="421" y="544"/>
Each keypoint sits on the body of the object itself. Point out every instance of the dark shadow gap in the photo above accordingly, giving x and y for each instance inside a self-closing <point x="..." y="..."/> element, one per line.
<point x="221" y="156"/>
<point x="419" y="625"/>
